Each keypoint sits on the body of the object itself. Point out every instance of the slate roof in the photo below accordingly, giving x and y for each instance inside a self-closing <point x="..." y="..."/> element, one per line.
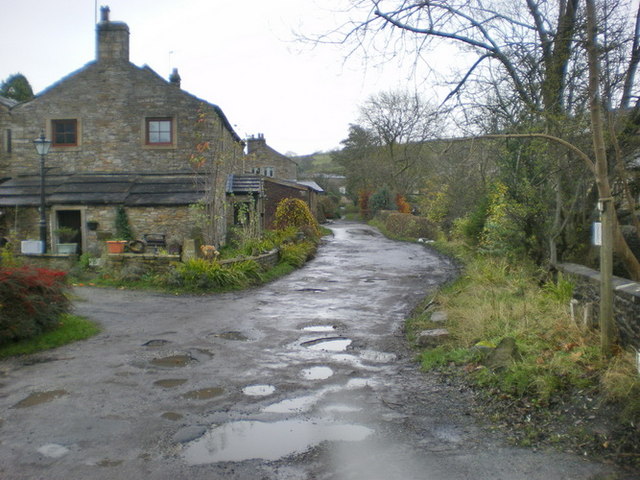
<point x="103" y="189"/>
<point x="243" y="184"/>
<point x="8" y="102"/>
<point x="311" y="184"/>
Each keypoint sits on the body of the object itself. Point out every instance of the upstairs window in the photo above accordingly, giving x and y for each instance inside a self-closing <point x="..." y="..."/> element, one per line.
<point x="64" y="132"/>
<point x="159" y="131"/>
<point x="268" y="171"/>
<point x="255" y="170"/>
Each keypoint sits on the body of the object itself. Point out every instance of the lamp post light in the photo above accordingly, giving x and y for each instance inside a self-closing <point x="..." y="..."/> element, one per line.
<point x="42" y="147"/>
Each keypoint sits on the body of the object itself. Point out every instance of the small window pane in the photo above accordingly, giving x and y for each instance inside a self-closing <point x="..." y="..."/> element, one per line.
<point x="159" y="131"/>
<point x="64" y="132"/>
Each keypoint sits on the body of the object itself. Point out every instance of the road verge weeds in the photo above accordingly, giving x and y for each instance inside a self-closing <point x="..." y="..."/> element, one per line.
<point x="539" y="375"/>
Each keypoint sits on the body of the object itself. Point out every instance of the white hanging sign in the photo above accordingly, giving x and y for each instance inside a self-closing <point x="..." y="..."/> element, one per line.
<point x="597" y="234"/>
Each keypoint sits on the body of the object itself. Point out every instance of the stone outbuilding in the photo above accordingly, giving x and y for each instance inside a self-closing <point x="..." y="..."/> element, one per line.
<point x="122" y="136"/>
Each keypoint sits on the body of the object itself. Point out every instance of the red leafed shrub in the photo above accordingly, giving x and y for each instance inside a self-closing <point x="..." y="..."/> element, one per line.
<point x="31" y="301"/>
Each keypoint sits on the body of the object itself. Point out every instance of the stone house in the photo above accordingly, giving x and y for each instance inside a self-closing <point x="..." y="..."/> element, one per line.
<point x="263" y="160"/>
<point x="122" y="136"/>
<point x="261" y="194"/>
<point x="279" y="179"/>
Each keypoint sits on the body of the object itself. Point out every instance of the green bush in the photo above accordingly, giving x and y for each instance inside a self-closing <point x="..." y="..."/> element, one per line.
<point x="405" y="225"/>
<point x="296" y="254"/>
<point x="203" y="275"/>
<point x="31" y="301"/>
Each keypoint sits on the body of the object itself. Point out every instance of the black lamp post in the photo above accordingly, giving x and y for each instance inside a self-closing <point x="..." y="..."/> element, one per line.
<point x="42" y="147"/>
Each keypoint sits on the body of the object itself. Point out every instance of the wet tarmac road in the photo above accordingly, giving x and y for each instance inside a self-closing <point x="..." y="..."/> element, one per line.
<point x="305" y="378"/>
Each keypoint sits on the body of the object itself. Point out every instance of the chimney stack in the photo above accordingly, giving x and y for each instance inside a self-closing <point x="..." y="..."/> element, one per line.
<point x="255" y="143"/>
<point x="174" y="78"/>
<point x="112" y="39"/>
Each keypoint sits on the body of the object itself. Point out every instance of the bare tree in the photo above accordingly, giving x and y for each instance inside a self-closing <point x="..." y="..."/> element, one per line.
<point x="528" y="55"/>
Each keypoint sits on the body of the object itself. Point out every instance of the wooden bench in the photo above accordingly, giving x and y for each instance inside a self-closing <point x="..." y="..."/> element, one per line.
<point x="155" y="240"/>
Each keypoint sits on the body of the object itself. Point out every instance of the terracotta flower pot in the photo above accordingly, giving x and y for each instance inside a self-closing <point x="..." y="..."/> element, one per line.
<point x="116" y="246"/>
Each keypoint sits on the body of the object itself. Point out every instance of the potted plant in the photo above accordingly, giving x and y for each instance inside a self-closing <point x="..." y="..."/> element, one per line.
<point x="66" y="237"/>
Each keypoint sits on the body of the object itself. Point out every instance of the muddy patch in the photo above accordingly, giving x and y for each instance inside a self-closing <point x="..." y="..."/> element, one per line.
<point x="233" y="335"/>
<point x="245" y="440"/>
<point x="258" y="390"/>
<point x="204" y="393"/>
<point x="38" y="398"/>
<point x="173" y="361"/>
<point x="170" y="382"/>
<point x="331" y="344"/>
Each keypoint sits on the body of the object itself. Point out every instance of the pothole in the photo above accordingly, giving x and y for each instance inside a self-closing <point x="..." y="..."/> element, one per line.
<point x="258" y="390"/>
<point x="245" y="440"/>
<point x="39" y="398"/>
<point x="317" y="373"/>
<point x="155" y="343"/>
<point x="332" y="344"/>
<point x="237" y="336"/>
<point x="170" y="382"/>
<point x="320" y="328"/>
<point x="204" y="393"/>
<point x="173" y="361"/>
<point x="173" y="416"/>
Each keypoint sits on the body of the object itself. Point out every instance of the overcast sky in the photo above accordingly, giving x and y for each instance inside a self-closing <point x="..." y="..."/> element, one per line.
<point x="238" y="54"/>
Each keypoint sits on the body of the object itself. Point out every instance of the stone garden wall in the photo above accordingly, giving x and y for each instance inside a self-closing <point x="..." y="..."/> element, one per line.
<point x="626" y="301"/>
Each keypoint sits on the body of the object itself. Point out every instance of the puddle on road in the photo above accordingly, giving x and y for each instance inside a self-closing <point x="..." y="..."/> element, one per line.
<point x="39" y="398"/>
<point x="332" y="344"/>
<point x="170" y="382"/>
<point x="173" y="361"/>
<point x="237" y="336"/>
<point x="173" y="416"/>
<point x="320" y="328"/>
<point x="317" y="373"/>
<point x="53" y="450"/>
<point x="290" y="405"/>
<point x="204" y="393"/>
<point x="258" y="390"/>
<point x="244" y="440"/>
<point x="339" y="408"/>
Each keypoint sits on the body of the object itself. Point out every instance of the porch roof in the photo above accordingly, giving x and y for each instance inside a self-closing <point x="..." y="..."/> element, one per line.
<point x="102" y="189"/>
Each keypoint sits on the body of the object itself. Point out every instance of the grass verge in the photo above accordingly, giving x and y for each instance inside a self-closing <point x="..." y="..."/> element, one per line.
<point x="71" y="329"/>
<point x="556" y="388"/>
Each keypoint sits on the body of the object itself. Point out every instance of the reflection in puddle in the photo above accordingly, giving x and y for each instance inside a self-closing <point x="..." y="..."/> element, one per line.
<point x="258" y="390"/>
<point x="317" y="373"/>
<point x="300" y="404"/>
<point x="319" y="328"/>
<point x="238" y="441"/>
<point x="334" y="344"/>
<point x="339" y="408"/>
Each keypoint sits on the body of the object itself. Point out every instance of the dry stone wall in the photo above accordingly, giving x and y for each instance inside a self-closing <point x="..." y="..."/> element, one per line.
<point x="626" y="300"/>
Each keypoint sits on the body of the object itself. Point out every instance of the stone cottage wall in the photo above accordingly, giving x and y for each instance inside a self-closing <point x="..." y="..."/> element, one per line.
<point x="626" y="300"/>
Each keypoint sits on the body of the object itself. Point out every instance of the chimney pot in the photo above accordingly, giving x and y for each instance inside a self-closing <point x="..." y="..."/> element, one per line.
<point x="174" y="78"/>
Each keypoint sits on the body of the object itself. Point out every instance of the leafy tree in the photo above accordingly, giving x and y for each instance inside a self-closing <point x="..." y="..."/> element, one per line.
<point x="17" y="87"/>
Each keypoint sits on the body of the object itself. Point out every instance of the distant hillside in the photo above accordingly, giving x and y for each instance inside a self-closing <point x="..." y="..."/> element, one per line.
<point x="318" y="163"/>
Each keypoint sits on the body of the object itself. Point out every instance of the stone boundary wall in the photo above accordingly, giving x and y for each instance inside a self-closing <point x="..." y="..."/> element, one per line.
<point x="626" y="300"/>
<point x="146" y="262"/>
